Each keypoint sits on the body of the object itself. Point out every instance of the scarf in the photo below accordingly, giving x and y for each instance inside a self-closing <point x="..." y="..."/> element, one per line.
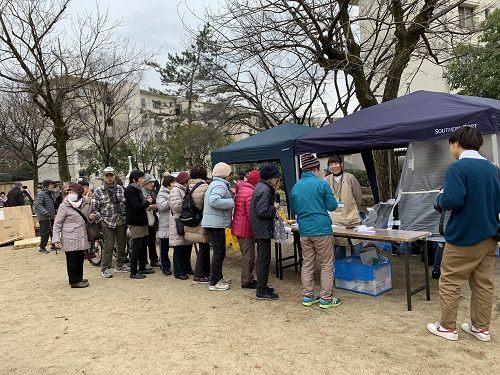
<point x="143" y="191"/>
<point x="112" y="193"/>
<point x="76" y="204"/>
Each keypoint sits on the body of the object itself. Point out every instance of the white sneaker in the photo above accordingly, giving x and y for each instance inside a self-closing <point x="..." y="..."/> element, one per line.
<point x="225" y="281"/>
<point x="438" y="330"/>
<point x="219" y="286"/>
<point x="106" y="273"/>
<point x="123" y="268"/>
<point x="481" y="334"/>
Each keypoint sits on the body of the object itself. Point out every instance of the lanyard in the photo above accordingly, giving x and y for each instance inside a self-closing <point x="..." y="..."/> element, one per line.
<point x="338" y="193"/>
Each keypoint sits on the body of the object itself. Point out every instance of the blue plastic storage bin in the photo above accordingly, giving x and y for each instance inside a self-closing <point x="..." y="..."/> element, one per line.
<point x="351" y="274"/>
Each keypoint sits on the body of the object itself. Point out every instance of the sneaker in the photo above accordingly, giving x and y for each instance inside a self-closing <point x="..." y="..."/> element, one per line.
<point x="167" y="272"/>
<point x="225" y="281"/>
<point x="155" y="264"/>
<point x="137" y="276"/>
<point x="309" y="301"/>
<point x="106" y="273"/>
<point x="270" y="290"/>
<point x="146" y="271"/>
<point x="267" y="296"/>
<point x="123" y="268"/>
<point x="438" y="330"/>
<point x="481" y="334"/>
<point x="219" y="286"/>
<point x="325" y="304"/>
<point x="252" y="285"/>
<point x="201" y="280"/>
<point x="43" y="251"/>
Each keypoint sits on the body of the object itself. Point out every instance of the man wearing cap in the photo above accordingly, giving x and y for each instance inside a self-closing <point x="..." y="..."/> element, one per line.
<point x="262" y="213"/>
<point x="15" y="196"/>
<point x="108" y="204"/>
<point x="311" y="199"/>
<point x="45" y="212"/>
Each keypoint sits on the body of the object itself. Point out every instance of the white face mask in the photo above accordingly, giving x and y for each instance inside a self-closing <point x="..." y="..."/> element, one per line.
<point x="72" y="197"/>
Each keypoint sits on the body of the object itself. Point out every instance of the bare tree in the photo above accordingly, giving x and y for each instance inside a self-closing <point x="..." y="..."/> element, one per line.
<point x="52" y="64"/>
<point x="373" y="42"/>
<point x="25" y="132"/>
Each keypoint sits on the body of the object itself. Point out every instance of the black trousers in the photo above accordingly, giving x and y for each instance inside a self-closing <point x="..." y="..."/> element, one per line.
<point x="218" y="239"/>
<point x="138" y="254"/>
<point x="153" y="255"/>
<point x="74" y="265"/>
<point x="202" y="267"/>
<point x="263" y="262"/>
<point x="182" y="259"/>
<point x="45" y="232"/>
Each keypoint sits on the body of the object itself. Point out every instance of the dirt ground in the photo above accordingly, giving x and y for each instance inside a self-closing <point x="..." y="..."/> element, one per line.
<point x="161" y="325"/>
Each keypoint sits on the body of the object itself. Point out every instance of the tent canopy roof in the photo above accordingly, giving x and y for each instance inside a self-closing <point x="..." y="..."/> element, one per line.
<point x="271" y="144"/>
<point x="420" y="116"/>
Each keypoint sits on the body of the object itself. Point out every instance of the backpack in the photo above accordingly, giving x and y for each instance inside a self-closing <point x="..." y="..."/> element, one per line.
<point x="190" y="214"/>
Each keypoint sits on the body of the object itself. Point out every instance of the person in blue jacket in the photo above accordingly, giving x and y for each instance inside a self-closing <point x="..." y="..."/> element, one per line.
<point x="312" y="198"/>
<point x="472" y="192"/>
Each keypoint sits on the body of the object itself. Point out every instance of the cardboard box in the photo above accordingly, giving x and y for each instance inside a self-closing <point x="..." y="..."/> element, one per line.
<point x="16" y="222"/>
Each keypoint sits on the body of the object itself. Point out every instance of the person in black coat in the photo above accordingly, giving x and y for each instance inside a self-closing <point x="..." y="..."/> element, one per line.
<point x="136" y="205"/>
<point x="15" y="197"/>
<point x="262" y="213"/>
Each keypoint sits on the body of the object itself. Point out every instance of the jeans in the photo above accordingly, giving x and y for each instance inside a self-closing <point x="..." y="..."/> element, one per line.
<point x="113" y="236"/>
<point x="202" y="267"/>
<point x="218" y="239"/>
<point x="263" y="262"/>
<point x="74" y="265"/>
<point x="165" y="261"/>
<point x="438" y="257"/>
<point x="340" y="251"/>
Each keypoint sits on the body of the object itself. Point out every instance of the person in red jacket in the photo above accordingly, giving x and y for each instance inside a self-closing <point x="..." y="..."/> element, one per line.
<point x="242" y="230"/>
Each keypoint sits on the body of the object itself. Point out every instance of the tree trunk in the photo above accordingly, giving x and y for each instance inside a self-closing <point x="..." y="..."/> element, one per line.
<point x="61" y="137"/>
<point x="381" y="159"/>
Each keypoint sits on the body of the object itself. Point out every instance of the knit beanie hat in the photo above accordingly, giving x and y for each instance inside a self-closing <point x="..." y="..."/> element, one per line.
<point x="309" y="162"/>
<point x="253" y="177"/>
<point x="221" y="170"/>
<point x="182" y="178"/>
<point x="269" y="171"/>
<point x="77" y="188"/>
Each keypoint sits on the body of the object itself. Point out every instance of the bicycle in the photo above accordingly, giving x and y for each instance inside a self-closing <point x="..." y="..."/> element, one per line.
<point x="94" y="253"/>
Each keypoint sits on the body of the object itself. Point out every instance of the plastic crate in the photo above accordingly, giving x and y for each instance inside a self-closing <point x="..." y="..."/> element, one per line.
<point x="351" y="274"/>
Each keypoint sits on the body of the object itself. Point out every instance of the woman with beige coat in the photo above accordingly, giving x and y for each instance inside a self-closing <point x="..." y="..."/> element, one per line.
<point x="198" y="234"/>
<point x="70" y="235"/>
<point x="182" y="247"/>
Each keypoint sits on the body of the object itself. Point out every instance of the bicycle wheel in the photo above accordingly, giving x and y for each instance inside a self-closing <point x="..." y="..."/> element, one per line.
<point x="94" y="254"/>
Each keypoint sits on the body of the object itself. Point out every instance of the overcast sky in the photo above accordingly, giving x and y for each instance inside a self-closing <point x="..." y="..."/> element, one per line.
<point x="153" y="23"/>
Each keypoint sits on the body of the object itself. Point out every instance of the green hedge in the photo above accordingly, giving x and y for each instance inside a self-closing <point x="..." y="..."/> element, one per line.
<point x="360" y="175"/>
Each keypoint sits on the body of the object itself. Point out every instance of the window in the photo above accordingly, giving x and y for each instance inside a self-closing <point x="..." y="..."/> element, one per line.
<point x="487" y="13"/>
<point x="143" y="103"/>
<point x="465" y="17"/>
<point x="156" y="104"/>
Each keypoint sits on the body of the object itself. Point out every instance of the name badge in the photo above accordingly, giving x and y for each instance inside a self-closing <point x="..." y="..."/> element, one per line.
<point x="340" y="204"/>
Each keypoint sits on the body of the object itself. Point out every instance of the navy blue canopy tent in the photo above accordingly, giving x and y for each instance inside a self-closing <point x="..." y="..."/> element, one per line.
<point x="275" y="144"/>
<point x="420" y="116"/>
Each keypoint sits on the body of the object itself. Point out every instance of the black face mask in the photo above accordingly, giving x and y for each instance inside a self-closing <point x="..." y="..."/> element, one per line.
<point x="338" y="174"/>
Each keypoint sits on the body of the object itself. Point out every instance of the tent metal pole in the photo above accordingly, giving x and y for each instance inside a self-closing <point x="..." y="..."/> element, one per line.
<point x="390" y="172"/>
<point x="494" y="146"/>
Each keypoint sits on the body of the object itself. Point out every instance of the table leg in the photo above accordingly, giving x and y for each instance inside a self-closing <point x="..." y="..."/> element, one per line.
<point x="426" y="265"/>
<point x="407" y="272"/>
<point x="276" y="257"/>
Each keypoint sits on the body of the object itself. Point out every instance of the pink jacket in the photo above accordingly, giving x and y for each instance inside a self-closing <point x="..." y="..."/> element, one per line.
<point x="241" y="215"/>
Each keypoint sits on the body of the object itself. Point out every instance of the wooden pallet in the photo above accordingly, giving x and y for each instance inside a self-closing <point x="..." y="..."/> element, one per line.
<point x="30" y="242"/>
<point x="10" y="240"/>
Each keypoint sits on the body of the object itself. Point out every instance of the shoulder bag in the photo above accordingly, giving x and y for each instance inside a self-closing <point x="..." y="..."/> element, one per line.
<point x="93" y="231"/>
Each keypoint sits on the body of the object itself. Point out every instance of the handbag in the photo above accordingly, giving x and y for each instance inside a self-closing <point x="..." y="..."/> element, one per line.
<point x="279" y="230"/>
<point x="179" y="225"/>
<point x="93" y="230"/>
<point x="151" y="218"/>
